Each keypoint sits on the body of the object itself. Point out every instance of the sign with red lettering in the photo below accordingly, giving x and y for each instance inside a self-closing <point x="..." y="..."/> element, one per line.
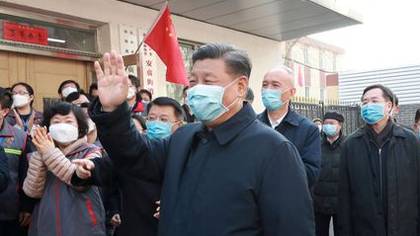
<point x="24" y="33"/>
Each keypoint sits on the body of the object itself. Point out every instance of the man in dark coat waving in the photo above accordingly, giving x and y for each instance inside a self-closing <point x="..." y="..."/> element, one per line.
<point x="228" y="174"/>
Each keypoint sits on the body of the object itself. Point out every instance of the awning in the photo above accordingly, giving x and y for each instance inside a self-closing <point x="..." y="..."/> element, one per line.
<point x="274" y="19"/>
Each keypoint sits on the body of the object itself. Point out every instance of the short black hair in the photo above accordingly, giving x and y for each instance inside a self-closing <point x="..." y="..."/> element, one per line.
<point x="237" y="61"/>
<point x="386" y="92"/>
<point x="6" y="99"/>
<point x="68" y="82"/>
<point x="146" y="92"/>
<point x="417" y="117"/>
<point x="28" y="88"/>
<point x="65" y="108"/>
<point x="167" y="101"/>
<point x="249" y="95"/>
<point x="185" y="89"/>
<point x="134" y="80"/>
<point x="93" y="86"/>
<point x="141" y="120"/>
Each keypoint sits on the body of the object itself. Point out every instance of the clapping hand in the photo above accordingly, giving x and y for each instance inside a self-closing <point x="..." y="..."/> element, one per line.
<point x="42" y="140"/>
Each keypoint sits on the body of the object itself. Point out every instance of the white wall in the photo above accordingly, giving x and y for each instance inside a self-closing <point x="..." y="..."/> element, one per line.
<point x="264" y="53"/>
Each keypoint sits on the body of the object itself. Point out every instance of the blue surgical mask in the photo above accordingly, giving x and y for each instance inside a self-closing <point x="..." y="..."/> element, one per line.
<point x="158" y="129"/>
<point x="373" y="113"/>
<point x="272" y="99"/>
<point x="206" y="101"/>
<point x="329" y="130"/>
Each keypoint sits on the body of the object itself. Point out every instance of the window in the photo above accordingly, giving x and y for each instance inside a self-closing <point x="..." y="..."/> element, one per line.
<point x="307" y="90"/>
<point x="175" y="90"/>
<point x="306" y="55"/>
<point x="59" y="36"/>
<point x="321" y="60"/>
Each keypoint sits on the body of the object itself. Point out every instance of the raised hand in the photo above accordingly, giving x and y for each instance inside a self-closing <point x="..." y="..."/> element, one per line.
<point x="112" y="81"/>
<point x="42" y="141"/>
<point x="84" y="168"/>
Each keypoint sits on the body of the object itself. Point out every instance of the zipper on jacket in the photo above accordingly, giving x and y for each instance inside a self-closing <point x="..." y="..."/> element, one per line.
<point x="380" y="175"/>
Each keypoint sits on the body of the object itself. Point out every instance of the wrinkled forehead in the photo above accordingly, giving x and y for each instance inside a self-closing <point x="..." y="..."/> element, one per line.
<point x="374" y="94"/>
<point x="162" y="111"/>
<point x="279" y="76"/>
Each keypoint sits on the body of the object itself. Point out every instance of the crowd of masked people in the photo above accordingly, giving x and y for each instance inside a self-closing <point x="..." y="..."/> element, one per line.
<point x="115" y="161"/>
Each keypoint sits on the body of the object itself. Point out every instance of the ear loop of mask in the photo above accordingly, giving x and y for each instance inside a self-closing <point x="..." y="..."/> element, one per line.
<point x="282" y="92"/>
<point x="227" y="108"/>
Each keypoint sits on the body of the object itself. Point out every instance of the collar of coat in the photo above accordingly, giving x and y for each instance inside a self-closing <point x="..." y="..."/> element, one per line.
<point x="78" y="146"/>
<point x="397" y="131"/>
<point x="231" y="128"/>
<point x="292" y="117"/>
<point x="6" y="130"/>
<point x="336" y="143"/>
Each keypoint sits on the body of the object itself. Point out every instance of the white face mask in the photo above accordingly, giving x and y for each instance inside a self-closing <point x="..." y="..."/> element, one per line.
<point x="67" y="91"/>
<point x="64" y="133"/>
<point x="131" y="93"/>
<point x="20" y="100"/>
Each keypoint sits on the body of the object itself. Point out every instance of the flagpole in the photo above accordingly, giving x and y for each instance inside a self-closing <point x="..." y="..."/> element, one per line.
<point x="150" y="28"/>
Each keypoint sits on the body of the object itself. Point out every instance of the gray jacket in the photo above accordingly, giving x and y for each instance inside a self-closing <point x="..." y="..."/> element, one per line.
<point x="68" y="211"/>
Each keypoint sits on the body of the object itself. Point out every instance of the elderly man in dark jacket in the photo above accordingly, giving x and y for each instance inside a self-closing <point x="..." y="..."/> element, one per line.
<point x="230" y="174"/>
<point x="325" y="191"/>
<point x="4" y="170"/>
<point x="278" y="88"/>
<point x="379" y="187"/>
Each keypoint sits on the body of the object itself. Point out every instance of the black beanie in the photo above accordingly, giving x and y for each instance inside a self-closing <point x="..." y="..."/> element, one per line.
<point x="334" y="115"/>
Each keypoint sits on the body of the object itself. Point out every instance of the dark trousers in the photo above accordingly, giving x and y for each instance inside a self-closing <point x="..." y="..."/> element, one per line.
<point x="322" y="222"/>
<point x="12" y="228"/>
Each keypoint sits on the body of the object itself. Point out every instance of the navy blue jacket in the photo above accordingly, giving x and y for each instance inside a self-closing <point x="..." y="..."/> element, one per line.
<point x="252" y="181"/>
<point x="305" y="136"/>
<point x="4" y="170"/>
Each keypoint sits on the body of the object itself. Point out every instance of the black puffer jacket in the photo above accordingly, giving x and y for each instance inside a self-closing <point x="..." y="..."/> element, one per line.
<point x="325" y="192"/>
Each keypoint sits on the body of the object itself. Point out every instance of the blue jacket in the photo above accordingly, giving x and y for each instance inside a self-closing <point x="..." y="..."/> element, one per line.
<point x="4" y="170"/>
<point x="305" y="136"/>
<point x="16" y="145"/>
<point x="250" y="182"/>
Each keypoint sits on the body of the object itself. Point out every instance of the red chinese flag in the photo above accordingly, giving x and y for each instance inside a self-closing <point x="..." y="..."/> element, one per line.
<point x="162" y="39"/>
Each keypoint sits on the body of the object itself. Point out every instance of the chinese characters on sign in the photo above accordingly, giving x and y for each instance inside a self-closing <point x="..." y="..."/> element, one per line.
<point x="148" y="61"/>
<point x="23" y="33"/>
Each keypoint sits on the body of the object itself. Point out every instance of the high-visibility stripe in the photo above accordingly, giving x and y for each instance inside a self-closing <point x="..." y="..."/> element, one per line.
<point x="12" y="151"/>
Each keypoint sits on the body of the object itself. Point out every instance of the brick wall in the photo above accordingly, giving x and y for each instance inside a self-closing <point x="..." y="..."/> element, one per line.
<point x="407" y="114"/>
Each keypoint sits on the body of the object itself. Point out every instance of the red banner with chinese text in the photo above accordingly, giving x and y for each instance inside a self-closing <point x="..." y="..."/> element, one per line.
<point x="22" y="33"/>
